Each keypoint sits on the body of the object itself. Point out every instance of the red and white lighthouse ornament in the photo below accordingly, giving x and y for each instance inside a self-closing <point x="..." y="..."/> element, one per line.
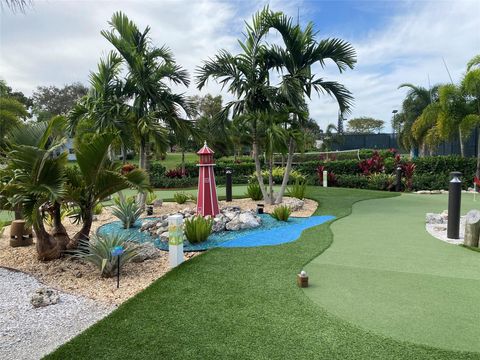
<point x="207" y="203"/>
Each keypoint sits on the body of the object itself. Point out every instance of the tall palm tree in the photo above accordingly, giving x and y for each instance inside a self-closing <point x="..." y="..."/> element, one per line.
<point x="247" y="77"/>
<point x="471" y="88"/>
<point x="149" y="69"/>
<point x="295" y="62"/>
<point x="417" y="99"/>
<point x="104" y="105"/>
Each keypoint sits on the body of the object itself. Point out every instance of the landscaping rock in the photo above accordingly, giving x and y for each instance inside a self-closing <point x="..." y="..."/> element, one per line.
<point x="146" y="251"/>
<point x="158" y="203"/>
<point x="44" y="297"/>
<point x="249" y="220"/>
<point x="294" y="204"/>
<point x="432" y="218"/>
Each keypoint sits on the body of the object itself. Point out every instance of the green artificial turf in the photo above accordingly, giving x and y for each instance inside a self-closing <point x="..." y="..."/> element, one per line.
<point x="385" y="273"/>
<point x="243" y="304"/>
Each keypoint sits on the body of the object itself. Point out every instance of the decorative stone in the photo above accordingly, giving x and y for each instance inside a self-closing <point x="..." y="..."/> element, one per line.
<point x="158" y="203"/>
<point x="432" y="218"/>
<point x="44" y="297"/>
<point x="294" y="204"/>
<point x="146" y="251"/>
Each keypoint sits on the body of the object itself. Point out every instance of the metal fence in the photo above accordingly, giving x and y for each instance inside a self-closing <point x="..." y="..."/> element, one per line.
<point x="387" y="141"/>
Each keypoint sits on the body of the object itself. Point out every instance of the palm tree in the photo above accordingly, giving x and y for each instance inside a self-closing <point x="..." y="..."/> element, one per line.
<point x="42" y="182"/>
<point x="12" y="112"/>
<point x="471" y="88"/>
<point x="295" y="62"/>
<point x="153" y="104"/>
<point x="247" y="77"/>
<point x="104" y="106"/>
<point x="417" y="99"/>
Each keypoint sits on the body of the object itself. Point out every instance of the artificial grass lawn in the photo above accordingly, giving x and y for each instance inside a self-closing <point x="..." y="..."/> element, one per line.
<point x="394" y="278"/>
<point x="242" y="303"/>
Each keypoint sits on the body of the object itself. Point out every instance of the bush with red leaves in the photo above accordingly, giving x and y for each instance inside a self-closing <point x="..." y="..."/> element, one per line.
<point x="127" y="168"/>
<point x="176" y="173"/>
<point x="372" y="165"/>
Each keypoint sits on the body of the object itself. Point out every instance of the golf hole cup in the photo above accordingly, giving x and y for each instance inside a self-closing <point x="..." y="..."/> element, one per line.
<point x="175" y="240"/>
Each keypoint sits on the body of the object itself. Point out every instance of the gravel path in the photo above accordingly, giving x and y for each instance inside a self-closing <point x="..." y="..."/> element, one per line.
<point x="29" y="333"/>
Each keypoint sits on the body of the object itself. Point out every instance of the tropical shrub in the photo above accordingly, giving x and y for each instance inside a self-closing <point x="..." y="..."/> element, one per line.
<point x="381" y="181"/>
<point x="408" y="171"/>
<point x="180" y="197"/>
<point x="277" y="174"/>
<point x="151" y="197"/>
<point x="198" y="228"/>
<point x="98" y="251"/>
<point x="372" y="165"/>
<point x="177" y="173"/>
<point x="281" y="213"/>
<point x="331" y="177"/>
<point x="97" y="210"/>
<point x="298" y="190"/>
<point x="127" y="168"/>
<point x="254" y="192"/>
<point x="352" y="181"/>
<point x="126" y="210"/>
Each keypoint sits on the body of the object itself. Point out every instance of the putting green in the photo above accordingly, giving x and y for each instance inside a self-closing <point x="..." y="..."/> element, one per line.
<point x="386" y="274"/>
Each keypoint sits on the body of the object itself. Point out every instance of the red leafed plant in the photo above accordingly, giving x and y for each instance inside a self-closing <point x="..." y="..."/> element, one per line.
<point x="372" y="165"/>
<point x="409" y="170"/>
<point x="175" y="173"/>
<point x="126" y="168"/>
<point x="331" y="177"/>
<point x="476" y="181"/>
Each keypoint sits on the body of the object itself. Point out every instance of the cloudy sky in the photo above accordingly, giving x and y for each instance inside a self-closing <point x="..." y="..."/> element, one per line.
<point x="59" y="42"/>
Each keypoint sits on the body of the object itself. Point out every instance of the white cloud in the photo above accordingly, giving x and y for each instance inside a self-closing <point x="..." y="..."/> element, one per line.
<point x="59" y="42"/>
<point x="410" y="49"/>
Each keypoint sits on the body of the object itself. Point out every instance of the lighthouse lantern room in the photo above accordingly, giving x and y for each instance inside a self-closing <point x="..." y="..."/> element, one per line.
<point x="207" y="203"/>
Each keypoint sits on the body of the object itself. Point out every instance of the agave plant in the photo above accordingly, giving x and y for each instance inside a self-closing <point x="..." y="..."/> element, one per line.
<point x="127" y="211"/>
<point x="180" y="197"/>
<point x="254" y="191"/>
<point x="198" y="228"/>
<point x="298" y="190"/>
<point x="98" y="251"/>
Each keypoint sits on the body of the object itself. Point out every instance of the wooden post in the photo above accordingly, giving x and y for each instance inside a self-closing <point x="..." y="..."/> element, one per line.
<point x="472" y="228"/>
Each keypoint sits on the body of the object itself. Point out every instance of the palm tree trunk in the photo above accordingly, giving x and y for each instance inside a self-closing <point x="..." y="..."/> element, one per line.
<point x="59" y="232"/>
<point x="142" y="164"/>
<point x="46" y="244"/>
<point x="462" y="150"/>
<point x="183" y="161"/>
<point x="84" y="233"/>
<point x="288" y="169"/>
<point x="258" y="170"/>
<point x="270" y="179"/>
<point x="477" y="172"/>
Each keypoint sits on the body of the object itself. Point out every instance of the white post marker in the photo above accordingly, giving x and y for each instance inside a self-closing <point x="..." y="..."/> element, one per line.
<point x="325" y="178"/>
<point x="175" y="240"/>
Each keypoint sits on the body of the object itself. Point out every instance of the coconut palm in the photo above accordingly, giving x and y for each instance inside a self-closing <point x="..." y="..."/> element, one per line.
<point x="153" y="104"/>
<point x="295" y="62"/>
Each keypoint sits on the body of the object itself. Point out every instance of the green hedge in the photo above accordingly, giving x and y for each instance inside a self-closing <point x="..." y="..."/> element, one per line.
<point x="430" y="173"/>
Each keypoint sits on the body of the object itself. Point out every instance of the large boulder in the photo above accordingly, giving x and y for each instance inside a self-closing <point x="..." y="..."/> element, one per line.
<point x="44" y="297"/>
<point x="294" y="204"/>
<point x="249" y="220"/>
<point x="146" y="251"/>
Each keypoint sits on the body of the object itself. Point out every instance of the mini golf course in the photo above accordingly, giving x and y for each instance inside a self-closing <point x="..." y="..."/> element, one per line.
<point x="243" y="303"/>
<point x="395" y="279"/>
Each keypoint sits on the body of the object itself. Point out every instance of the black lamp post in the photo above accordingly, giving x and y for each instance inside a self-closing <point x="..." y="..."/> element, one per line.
<point x="454" y="203"/>
<point x="228" y="185"/>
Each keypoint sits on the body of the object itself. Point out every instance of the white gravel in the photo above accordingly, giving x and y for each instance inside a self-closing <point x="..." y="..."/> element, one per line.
<point x="29" y="333"/>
